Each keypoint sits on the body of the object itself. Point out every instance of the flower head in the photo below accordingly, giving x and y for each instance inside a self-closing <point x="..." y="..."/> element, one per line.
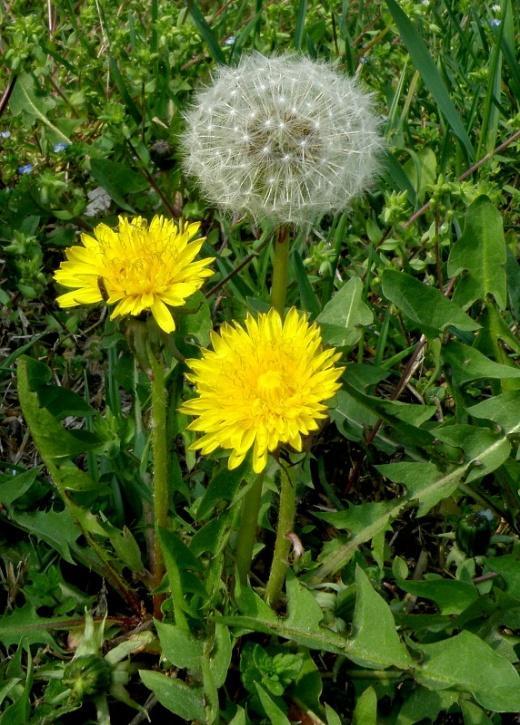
<point x="285" y="138"/>
<point x="263" y="384"/>
<point x="139" y="267"/>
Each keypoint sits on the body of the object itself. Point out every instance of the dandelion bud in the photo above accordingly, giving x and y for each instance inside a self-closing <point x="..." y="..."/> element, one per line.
<point x="88" y="676"/>
<point x="284" y="138"/>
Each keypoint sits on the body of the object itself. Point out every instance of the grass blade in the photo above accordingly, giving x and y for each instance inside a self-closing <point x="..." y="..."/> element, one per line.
<point x="423" y="62"/>
<point x="300" y="24"/>
<point x="207" y="33"/>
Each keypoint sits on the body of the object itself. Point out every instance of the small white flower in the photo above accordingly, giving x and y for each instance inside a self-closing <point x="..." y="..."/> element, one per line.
<point x="290" y="139"/>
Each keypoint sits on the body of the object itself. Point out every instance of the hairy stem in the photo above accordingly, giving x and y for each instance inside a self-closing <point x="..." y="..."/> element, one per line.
<point x="280" y="269"/>
<point x="280" y="563"/>
<point x="160" y="493"/>
<point x="247" y="531"/>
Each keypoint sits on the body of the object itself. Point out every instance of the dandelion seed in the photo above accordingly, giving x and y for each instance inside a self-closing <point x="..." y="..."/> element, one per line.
<point x="294" y="113"/>
<point x="141" y="267"/>
<point x="262" y="385"/>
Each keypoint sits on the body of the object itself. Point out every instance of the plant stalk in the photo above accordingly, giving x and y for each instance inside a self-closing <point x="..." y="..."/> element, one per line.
<point x="160" y="492"/>
<point x="248" y="526"/>
<point x="280" y="563"/>
<point x="280" y="269"/>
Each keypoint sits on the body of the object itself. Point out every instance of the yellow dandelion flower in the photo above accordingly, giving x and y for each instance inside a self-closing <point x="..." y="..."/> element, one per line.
<point x="137" y="267"/>
<point x="262" y="385"/>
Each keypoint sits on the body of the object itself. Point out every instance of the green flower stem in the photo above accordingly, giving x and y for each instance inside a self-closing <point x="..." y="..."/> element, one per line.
<point x="285" y="526"/>
<point x="248" y="526"/>
<point x="280" y="269"/>
<point x="160" y="493"/>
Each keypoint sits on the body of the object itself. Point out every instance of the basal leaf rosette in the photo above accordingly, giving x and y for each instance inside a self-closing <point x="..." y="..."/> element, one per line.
<point x="284" y="138"/>
<point x="264" y="383"/>
<point x="137" y="267"/>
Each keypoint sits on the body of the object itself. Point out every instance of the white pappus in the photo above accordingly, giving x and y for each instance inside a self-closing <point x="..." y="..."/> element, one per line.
<point x="285" y="138"/>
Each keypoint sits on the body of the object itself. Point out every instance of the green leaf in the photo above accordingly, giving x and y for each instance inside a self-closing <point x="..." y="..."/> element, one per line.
<point x="353" y="413"/>
<point x="365" y="712"/>
<point x="421" y="169"/>
<point x="18" y="712"/>
<point x="469" y="364"/>
<point x="358" y="517"/>
<point x="467" y="663"/>
<point x="61" y="402"/>
<point x="302" y="608"/>
<point x="481" y="253"/>
<point x="251" y="605"/>
<point x="271" y="709"/>
<point x="180" y="562"/>
<point x="73" y="478"/>
<point x="174" y="547"/>
<point x="134" y="643"/>
<point x="303" y="627"/>
<point x="487" y="450"/>
<point x="344" y="314"/>
<point x="426" y="486"/>
<point x="194" y="322"/>
<point x="117" y="179"/>
<point x="25" y="99"/>
<point x="52" y="440"/>
<point x="501" y="409"/>
<point x="429" y="73"/>
<point x="450" y="595"/>
<point x="411" y="413"/>
<point x="125" y="546"/>
<point x="56" y="528"/>
<point x="425" y="483"/>
<point x="24" y="625"/>
<point x="473" y="714"/>
<point x="14" y="487"/>
<point x="508" y="566"/>
<point x="424" y="704"/>
<point x="424" y="306"/>
<point x="332" y="716"/>
<point x="179" y="646"/>
<point x="494" y="330"/>
<point x="176" y="696"/>
<point x="220" y="658"/>
<point x="375" y="646"/>
<point x="513" y="284"/>
<point x="222" y="487"/>
<point x="239" y="717"/>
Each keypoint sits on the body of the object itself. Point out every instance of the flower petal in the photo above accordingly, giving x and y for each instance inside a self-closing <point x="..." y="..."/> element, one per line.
<point x="162" y="315"/>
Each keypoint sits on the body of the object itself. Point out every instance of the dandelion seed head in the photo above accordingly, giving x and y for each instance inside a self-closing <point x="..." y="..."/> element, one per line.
<point x="304" y="139"/>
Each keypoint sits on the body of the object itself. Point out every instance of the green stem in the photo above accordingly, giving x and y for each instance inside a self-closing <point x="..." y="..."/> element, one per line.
<point x="161" y="492"/>
<point x="248" y="526"/>
<point x="285" y="526"/>
<point x="280" y="269"/>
